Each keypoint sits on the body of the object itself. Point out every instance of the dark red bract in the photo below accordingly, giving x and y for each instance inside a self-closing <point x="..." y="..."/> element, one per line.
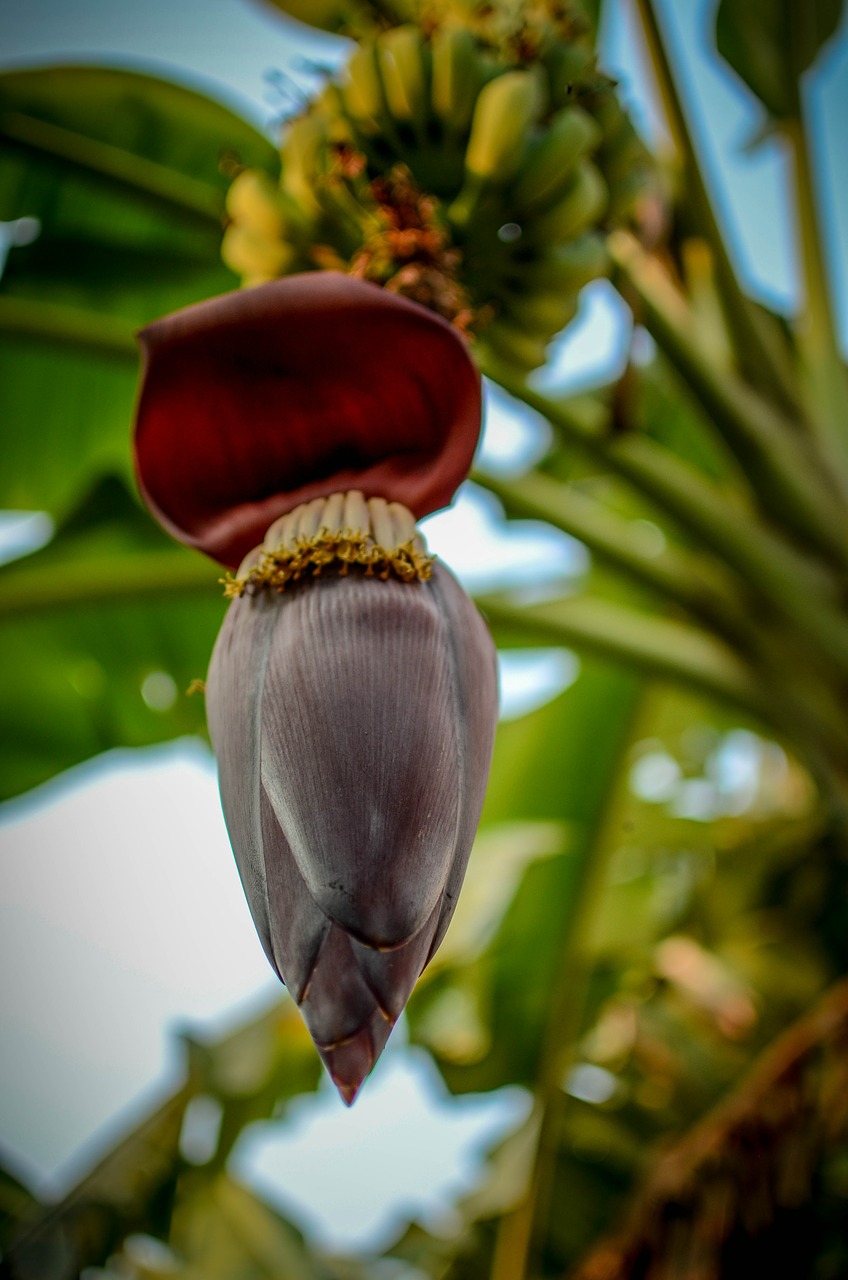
<point x="259" y="400"/>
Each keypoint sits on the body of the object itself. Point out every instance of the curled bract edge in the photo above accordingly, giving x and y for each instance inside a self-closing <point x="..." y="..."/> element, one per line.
<point x="262" y="399"/>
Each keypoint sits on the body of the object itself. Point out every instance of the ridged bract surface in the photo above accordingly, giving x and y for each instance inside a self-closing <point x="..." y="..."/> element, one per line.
<point x="353" y="721"/>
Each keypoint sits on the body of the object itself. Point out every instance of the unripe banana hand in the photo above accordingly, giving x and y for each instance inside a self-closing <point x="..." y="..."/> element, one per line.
<point x="515" y="157"/>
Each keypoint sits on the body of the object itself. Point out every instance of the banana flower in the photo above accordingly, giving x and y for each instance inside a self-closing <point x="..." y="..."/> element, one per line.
<point x="295" y="432"/>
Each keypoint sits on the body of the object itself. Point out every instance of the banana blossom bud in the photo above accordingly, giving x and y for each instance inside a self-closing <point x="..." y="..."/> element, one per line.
<point x="297" y="429"/>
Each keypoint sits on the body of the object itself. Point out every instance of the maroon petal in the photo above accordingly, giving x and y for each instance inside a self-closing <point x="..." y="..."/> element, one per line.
<point x="259" y="400"/>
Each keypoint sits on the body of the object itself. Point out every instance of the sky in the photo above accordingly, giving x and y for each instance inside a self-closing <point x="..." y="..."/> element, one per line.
<point x="100" y="957"/>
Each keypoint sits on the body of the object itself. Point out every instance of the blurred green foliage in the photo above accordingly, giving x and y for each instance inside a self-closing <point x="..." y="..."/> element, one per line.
<point x="126" y="176"/>
<point x="643" y="932"/>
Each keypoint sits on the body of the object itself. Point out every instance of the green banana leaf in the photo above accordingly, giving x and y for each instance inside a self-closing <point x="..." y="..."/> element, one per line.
<point x="771" y="43"/>
<point x="126" y="176"/>
<point x="110" y="604"/>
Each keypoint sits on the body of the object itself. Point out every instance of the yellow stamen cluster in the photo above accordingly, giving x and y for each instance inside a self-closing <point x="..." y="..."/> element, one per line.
<point x="334" y="533"/>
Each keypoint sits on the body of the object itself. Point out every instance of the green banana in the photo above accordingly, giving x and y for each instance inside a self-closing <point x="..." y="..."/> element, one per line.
<point x="541" y="314"/>
<point x="623" y="159"/>
<point x="553" y="157"/>
<point x="568" y="67"/>
<point x="505" y="110"/>
<point x="503" y="118"/>
<point x="610" y="115"/>
<point x="304" y="153"/>
<point x="255" y="257"/>
<point x="362" y="91"/>
<point x="511" y="345"/>
<point x="348" y="222"/>
<point x="254" y="200"/>
<point x="309" y="181"/>
<point x="454" y="108"/>
<point x="400" y="58"/>
<point x="329" y="15"/>
<point x="625" y="155"/>
<point x="457" y="75"/>
<point x="569" y="266"/>
<point x="582" y="205"/>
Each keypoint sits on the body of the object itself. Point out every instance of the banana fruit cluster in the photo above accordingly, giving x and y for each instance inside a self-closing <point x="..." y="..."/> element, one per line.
<point x="519" y="149"/>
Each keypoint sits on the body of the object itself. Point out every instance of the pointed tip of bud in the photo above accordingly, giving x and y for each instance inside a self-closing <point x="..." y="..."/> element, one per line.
<point x="350" y="1062"/>
<point x="348" y="1092"/>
